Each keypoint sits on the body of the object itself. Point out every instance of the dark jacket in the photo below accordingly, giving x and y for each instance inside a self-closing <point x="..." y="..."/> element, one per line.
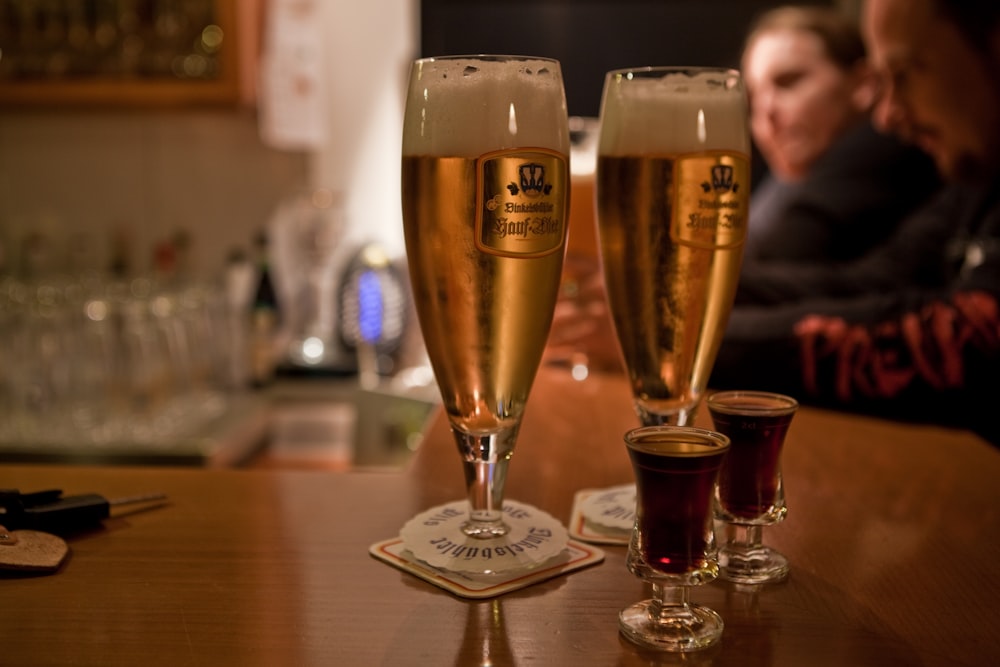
<point x="851" y="201"/>
<point x="899" y="295"/>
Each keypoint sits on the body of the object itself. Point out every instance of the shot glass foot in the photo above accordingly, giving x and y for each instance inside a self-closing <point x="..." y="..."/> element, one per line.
<point x="680" y="629"/>
<point x="757" y="564"/>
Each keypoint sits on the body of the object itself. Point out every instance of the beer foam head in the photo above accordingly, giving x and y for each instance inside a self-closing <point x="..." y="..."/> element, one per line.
<point x="673" y="110"/>
<point x="467" y="106"/>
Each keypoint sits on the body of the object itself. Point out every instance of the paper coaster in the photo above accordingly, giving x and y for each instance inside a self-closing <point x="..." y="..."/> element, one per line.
<point x="604" y="516"/>
<point x="574" y="556"/>
<point x="436" y="538"/>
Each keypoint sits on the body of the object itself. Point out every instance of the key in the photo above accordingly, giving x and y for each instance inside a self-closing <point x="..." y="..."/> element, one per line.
<point x="49" y="511"/>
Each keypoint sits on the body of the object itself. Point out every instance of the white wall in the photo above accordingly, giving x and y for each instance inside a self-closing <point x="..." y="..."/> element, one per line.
<point x="76" y="174"/>
<point x="370" y="46"/>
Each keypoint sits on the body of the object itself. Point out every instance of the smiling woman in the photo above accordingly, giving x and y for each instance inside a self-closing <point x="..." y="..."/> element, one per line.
<point x="809" y="82"/>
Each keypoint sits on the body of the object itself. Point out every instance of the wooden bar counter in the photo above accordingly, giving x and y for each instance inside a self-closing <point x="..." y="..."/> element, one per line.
<point x="892" y="534"/>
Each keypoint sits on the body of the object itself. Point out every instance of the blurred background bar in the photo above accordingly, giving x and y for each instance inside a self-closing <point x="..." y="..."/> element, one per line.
<point x="201" y="256"/>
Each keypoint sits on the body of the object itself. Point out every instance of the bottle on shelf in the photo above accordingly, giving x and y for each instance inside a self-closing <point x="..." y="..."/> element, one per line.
<point x="239" y="288"/>
<point x="265" y="320"/>
<point x="120" y="250"/>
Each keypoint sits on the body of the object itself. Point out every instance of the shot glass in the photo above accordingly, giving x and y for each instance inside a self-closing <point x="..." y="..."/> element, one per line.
<point x="750" y="493"/>
<point x="673" y="544"/>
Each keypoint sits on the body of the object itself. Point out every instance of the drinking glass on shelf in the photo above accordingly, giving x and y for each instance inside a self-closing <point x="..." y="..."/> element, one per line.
<point x="673" y="544"/>
<point x="673" y="183"/>
<point x="485" y="186"/>
<point x="750" y="492"/>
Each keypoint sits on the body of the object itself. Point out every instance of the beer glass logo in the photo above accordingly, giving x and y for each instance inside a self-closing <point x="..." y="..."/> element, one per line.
<point x="710" y="209"/>
<point x="532" y="180"/>
<point x="721" y="180"/>
<point x="521" y="202"/>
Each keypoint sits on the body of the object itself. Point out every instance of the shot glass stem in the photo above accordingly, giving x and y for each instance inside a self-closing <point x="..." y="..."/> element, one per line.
<point x="669" y="622"/>
<point x="745" y="559"/>
<point x="744" y="536"/>
<point x="668" y="602"/>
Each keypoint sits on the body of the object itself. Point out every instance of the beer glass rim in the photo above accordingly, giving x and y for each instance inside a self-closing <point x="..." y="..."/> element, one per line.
<point x="780" y="404"/>
<point x="690" y="70"/>
<point x="718" y="441"/>
<point x="488" y="57"/>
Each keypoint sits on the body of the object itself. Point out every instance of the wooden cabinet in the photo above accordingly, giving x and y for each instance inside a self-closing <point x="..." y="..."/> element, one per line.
<point x="119" y="53"/>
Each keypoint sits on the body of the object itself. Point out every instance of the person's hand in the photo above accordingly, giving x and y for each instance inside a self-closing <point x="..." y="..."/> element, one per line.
<point x="935" y="345"/>
<point x="980" y="318"/>
<point x="938" y="335"/>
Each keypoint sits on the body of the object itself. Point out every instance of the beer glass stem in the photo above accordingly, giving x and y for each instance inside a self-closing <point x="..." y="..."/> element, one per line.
<point x="485" y="459"/>
<point x="678" y="417"/>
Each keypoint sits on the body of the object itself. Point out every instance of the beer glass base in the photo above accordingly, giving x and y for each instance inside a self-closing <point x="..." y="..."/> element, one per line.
<point x="756" y="565"/>
<point x="485" y="530"/>
<point x="677" y="629"/>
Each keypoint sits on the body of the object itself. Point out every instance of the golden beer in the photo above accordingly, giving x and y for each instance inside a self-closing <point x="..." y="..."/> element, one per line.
<point x="485" y="189"/>
<point x="485" y="317"/>
<point x="672" y="192"/>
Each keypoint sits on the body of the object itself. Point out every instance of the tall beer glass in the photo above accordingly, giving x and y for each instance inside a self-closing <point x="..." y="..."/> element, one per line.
<point x="485" y="192"/>
<point x="673" y="182"/>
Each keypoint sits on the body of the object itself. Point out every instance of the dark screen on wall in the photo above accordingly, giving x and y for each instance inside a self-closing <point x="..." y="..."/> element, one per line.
<point x="591" y="37"/>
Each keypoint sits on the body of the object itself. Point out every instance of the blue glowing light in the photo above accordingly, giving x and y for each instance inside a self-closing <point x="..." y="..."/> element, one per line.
<point x="370" y="307"/>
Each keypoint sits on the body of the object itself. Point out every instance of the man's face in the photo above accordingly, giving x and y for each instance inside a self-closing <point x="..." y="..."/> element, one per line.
<point x="800" y="100"/>
<point x="938" y="92"/>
